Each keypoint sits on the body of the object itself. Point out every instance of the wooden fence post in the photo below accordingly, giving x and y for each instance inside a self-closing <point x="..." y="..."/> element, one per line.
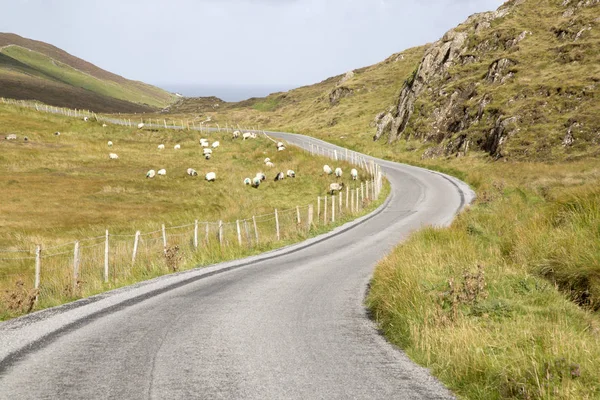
<point x="248" y="240"/>
<point x="38" y="267"/>
<point x="298" y="215"/>
<point x="347" y="196"/>
<point x="341" y="202"/>
<point x="106" y="258"/>
<point x="362" y="194"/>
<point x="352" y="201"/>
<point x="319" y="208"/>
<point x="367" y="190"/>
<point x="75" y="265"/>
<point x="221" y="232"/>
<point x="239" y="232"/>
<point x="325" y="211"/>
<point x="277" y="224"/>
<point x="196" y="234"/>
<point x="135" y="246"/>
<point x="255" y="229"/>
<point x="333" y="208"/>
<point x="206" y="239"/>
<point x="310" y="215"/>
<point x="164" y="237"/>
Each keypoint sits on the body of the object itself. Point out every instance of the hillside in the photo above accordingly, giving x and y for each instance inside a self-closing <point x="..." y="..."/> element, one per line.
<point x="33" y="70"/>
<point x="520" y="82"/>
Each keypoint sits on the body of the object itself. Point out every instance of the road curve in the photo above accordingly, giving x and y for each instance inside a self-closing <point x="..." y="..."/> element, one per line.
<point x="289" y="324"/>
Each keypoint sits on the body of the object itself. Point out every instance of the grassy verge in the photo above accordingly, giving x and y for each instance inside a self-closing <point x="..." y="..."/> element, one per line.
<point x="59" y="189"/>
<point x="503" y="304"/>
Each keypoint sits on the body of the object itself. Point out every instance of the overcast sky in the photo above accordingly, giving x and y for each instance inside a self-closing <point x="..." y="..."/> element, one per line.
<point x="256" y="42"/>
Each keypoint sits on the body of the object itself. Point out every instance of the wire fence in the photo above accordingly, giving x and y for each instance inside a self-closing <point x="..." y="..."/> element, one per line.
<point x="98" y="263"/>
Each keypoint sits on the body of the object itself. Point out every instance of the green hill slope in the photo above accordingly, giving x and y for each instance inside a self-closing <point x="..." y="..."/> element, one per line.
<point x="34" y="70"/>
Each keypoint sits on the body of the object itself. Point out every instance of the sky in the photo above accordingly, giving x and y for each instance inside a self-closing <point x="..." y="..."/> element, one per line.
<point x="284" y="43"/>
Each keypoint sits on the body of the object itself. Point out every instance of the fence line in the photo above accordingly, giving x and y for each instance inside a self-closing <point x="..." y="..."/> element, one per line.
<point x="118" y="260"/>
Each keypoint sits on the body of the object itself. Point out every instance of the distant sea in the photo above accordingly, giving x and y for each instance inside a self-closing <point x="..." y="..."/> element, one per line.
<point x="225" y="92"/>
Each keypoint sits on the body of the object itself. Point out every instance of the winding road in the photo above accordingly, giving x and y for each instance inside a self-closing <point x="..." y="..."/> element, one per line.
<point x="289" y="324"/>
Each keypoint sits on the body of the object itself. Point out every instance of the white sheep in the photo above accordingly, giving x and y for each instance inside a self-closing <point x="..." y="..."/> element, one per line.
<point x="327" y="169"/>
<point x="161" y="146"/>
<point x="211" y="176"/>
<point x="236" y="134"/>
<point x="113" y="156"/>
<point x="204" y="144"/>
<point x="110" y="143"/>
<point x="279" y="177"/>
<point x="335" y="187"/>
<point x="246" y="135"/>
<point x="177" y="147"/>
<point x="203" y="140"/>
<point x="216" y="144"/>
<point x="207" y="151"/>
<point x="85" y="119"/>
<point x="162" y="172"/>
<point x="253" y="135"/>
<point x="291" y="174"/>
<point x="270" y="164"/>
<point x="207" y="156"/>
<point x="279" y="144"/>
<point x="267" y="160"/>
<point x="192" y="172"/>
<point x="261" y="176"/>
<point x="140" y="125"/>
<point x="151" y="174"/>
<point x="247" y="181"/>
<point x="338" y="172"/>
<point x="12" y="136"/>
<point x="256" y="182"/>
<point x="104" y="125"/>
<point x="354" y="174"/>
<point x="282" y="148"/>
<point x="57" y="133"/>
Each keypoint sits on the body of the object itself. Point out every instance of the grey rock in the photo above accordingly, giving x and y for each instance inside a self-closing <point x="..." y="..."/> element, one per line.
<point x="500" y="70"/>
<point x="339" y="93"/>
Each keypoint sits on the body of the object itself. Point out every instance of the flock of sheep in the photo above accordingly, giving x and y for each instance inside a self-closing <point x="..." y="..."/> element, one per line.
<point x="260" y="177"/>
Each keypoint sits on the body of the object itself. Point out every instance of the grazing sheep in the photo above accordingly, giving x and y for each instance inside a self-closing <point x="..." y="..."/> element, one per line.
<point x="211" y="176"/>
<point x="140" y="125"/>
<point x="26" y="139"/>
<point x="354" y="174"/>
<point x="291" y="174"/>
<point x="280" y="144"/>
<point x="261" y="176"/>
<point x="203" y="141"/>
<point x="279" y="177"/>
<point x="335" y="187"/>
<point x="204" y="144"/>
<point x="247" y="181"/>
<point x="236" y="134"/>
<point x="162" y="172"/>
<point x="338" y="172"/>
<point x="216" y="144"/>
<point x="270" y="164"/>
<point x="256" y="182"/>
<point x="113" y="156"/>
<point x="282" y="148"/>
<point x="253" y="135"/>
<point x="327" y="169"/>
<point x="267" y="160"/>
<point x="177" y="147"/>
<point x="192" y="172"/>
<point x="161" y="146"/>
<point x="110" y="143"/>
<point x="12" y="136"/>
<point x="151" y="174"/>
<point x="56" y="133"/>
<point x="246" y="135"/>
<point x="85" y="119"/>
<point x="207" y="156"/>
<point x="206" y="151"/>
<point x="104" y="125"/>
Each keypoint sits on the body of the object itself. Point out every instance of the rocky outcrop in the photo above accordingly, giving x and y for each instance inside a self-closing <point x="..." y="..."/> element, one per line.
<point x="339" y="93"/>
<point x="504" y="128"/>
<point x="349" y="75"/>
<point x="436" y="62"/>
<point x="500" y="70"/>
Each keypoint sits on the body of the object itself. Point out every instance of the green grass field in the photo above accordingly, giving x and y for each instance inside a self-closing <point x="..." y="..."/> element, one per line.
<point x="58" y="189"/>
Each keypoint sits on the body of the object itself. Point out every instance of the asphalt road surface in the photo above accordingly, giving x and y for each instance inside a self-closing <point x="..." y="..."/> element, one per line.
<point x="290" y="324"/>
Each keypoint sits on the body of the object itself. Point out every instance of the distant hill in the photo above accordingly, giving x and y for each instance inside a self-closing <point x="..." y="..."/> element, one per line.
<point x="34" y="70"/>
